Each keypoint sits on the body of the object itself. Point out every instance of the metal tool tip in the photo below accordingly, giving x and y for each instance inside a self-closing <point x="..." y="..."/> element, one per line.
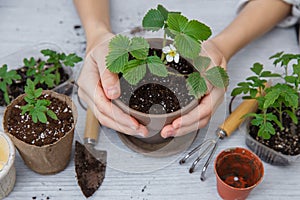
<point x="191" y="170"/>
<point x="202" y="178"/>
<point x="181" y="162"/>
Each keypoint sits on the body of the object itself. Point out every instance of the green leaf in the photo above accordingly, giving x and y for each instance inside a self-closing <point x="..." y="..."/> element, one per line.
<point x="197" y="30"/>
<point x="271" y="97"/>
<point x="71" y="60"/>
<point x="48" y="52"/>
<point x="118" y="56"/>
<point x="269" y="74"/>
<point x="41" y="117"/>
<point x="156" y="66"/>
<point x="217" y="76"/>
<point x="257" y="68"/>
<point x="196" y="85"/>
<point x="38" y="92"/>
<point x="135" y="71"/>
<point x="292" y="116"/>
<point x="187" y="46"/>
<point x="266" y="130"/>
<point x="176" y="22"/>
<point x="139" y="48"/>
<point x="6" y="98"/>
<point x="153" y="20"/>
<point x="51" y="114"/>
<point x="163" y="11"/>
<point x="201" y="63"/>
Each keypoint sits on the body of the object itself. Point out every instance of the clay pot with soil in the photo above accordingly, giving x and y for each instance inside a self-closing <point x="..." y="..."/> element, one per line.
<point x="238" y="172"/>
<point x="41" y="125"/>
<point x="43" y="64"/>
<point x="273" y="131"/>
<point x="163" y="78"/>
<point x="7" y="165"/>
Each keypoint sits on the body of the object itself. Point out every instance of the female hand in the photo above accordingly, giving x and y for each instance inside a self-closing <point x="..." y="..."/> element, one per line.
<point x="200" y="116"/>
<point x="98" y="86"/>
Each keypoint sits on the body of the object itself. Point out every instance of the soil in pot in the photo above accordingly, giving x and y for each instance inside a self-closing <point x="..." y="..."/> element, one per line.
<point x="17" y="87"/>
<point x="286" y="141"/>
<point x="159" y="95"/>
<point x="41" y="134"/>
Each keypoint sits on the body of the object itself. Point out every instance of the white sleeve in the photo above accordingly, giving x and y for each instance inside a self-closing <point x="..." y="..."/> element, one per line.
<point x="289" y="21"/>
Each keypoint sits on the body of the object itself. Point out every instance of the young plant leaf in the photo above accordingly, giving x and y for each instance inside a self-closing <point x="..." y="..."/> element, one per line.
<point x="177" y="23"/>
<point x="201" y="63"/>
<point x="197" y="30"/>
<point x="51" y="114"/>
<point x="196" y="85"/>
<point x="139" y="48"/>
<point x="156" y="66"/>
<point x="118" y="56"/>
<point x="187" y="46"/>
<point x="136" y="70"/>
<point x="217" y="76"/>
<point x="153" y="20"/>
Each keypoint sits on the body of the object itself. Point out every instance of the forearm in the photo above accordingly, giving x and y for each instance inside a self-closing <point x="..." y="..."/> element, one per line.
<point x="257" y="17"/>
<point x="95" y="17"/>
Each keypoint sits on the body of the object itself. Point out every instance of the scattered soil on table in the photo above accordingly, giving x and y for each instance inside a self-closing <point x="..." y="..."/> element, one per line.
<point x="90" y="171"/>
<point x="17" y="87"/>
<point x="159" y="95"/>
<point x="40" y="134"/>
<point x="286" y="141"/>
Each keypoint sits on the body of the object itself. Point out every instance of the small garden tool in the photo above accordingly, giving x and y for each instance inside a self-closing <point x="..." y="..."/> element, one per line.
<point x="229" y="126"/>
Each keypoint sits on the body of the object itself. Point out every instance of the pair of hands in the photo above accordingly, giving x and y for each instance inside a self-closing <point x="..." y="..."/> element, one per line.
<point x="98" y="86"/>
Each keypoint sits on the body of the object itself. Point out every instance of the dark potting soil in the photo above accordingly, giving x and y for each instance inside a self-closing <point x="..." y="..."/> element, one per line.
<point x="39" y="134"/>
<point x="17" y="87"/>
<point x="90" y="172"/>
<point x="286" y="141"/>
<point x="159" y="95"/>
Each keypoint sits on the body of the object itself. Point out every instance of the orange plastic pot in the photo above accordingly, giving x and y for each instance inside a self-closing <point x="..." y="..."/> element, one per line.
<point x="238" y="171"/>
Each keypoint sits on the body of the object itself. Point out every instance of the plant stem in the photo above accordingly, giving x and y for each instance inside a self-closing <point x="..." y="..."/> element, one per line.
<point x="163" y="45"/>
<point x="176" y="74"/>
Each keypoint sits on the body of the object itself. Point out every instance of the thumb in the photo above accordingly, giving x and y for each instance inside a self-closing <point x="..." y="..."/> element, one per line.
<point x="110" y="83"/>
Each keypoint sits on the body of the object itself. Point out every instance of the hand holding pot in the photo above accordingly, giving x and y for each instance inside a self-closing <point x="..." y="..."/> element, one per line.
<point x="98" y="86"/>
<point x="200" y="116"/>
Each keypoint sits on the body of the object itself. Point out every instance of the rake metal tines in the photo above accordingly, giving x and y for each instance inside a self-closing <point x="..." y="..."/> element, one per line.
<point x="209" y="147"/>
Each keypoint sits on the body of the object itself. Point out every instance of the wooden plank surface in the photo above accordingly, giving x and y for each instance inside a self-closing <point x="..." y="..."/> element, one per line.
<point x="131" y="175"/>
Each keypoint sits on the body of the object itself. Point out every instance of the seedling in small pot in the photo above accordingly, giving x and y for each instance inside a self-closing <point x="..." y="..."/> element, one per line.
<point x="132" y="57"/>
<point x="274" y="101"/>
<point x="37" y="108"/>
<point x="47" y="71"/>
<point x="6" y="79"/>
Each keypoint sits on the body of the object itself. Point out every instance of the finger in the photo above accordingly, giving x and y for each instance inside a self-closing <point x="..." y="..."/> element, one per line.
<point x="113" y="123"/>
<point x="109" y="80"/>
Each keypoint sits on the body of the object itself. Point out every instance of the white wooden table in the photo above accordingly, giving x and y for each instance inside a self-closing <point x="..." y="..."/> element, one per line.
<point x="130" y="175"/>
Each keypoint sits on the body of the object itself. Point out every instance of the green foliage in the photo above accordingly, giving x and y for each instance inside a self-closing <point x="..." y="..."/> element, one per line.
<point x="6" y="79"/>
<point x="47" y="71"/>
<point x="130" y="56"/>
<point x="37" y="108"/>
<point x="282" y="97"/>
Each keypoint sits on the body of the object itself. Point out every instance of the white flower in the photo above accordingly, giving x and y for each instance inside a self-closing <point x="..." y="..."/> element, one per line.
<point x="171" y="53"/>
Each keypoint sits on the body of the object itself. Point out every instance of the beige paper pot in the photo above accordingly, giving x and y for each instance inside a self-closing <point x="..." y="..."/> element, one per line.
<point x="7" y="168"/>
<point x="47" y="159"/>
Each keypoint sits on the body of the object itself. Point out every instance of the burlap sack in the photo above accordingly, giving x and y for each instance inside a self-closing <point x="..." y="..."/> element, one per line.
<point x="47" y="159"/>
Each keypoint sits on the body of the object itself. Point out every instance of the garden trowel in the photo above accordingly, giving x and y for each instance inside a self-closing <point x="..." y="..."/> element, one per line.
<point x="90" y="163"/>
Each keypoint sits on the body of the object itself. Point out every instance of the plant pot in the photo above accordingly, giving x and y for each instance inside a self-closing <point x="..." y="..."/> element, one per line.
<point x="238" y="171"/>
<point x="155" y="122"/>
<point x="45" y="159"/>
<point x="7" y="167"/>
<point x="266" y="153"/>
<point x="15" y="62"/>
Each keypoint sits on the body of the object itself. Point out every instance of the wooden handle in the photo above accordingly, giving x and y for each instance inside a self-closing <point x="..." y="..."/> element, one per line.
<point x="236" y="117"/>
<point x="92" y="125"/>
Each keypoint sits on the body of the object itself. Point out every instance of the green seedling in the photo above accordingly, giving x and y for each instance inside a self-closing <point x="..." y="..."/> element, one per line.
<point x="47" y="71"/>
<point x="282" y="97"/>
<point x="131" y="56"/>
<point x="37" y="108"/>
<point x="6" y="79"/>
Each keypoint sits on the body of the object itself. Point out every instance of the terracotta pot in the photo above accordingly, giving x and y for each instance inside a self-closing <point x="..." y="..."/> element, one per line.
<point x="155" y="122"/>
<point x="7" y="167"/>
<point x="238" y="171"/>
<point x="47" y="159"/>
